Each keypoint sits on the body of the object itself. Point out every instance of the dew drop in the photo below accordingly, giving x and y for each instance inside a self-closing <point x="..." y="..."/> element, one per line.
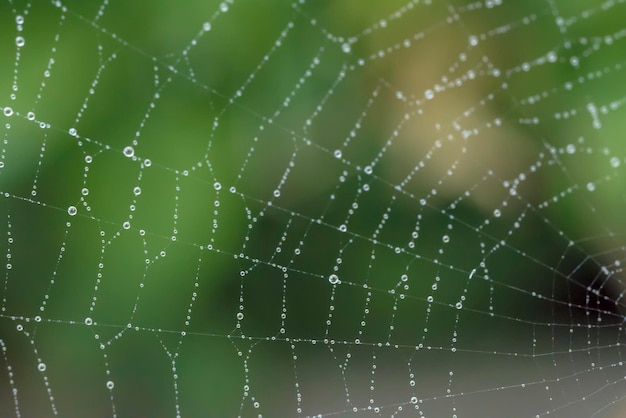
<point x="217" y="185"/>
<point x="333" y="279"/>
<point x="615" y="162"/>
<point x="239" y="316"/>
<point x="346" y="48"/>
<point x="84" y="191"/>
<point x="8" y="111"/>
<point x="429" y="94"/>
<point x="110" y="385"/>
<point x="88" y="321"/>
<point x="129" y="151"/>
<point x="72" y="210"/>
<point x="591" y="187"/>
<point x="496" y="213"/>
<point x="337" y="153"/>
<point x="126" y="225"/>
<point x="137" y="191"/>
<point x="19" y="41"/>
<point x="41" y="367"/>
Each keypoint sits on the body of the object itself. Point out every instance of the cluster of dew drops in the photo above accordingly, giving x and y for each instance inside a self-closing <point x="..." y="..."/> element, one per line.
<point x="128" y="152"/>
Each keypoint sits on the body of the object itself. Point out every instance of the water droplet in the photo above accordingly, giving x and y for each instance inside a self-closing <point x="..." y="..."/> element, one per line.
<point x="217" y="185"/>
<point x="147" y="162"/>
<point x="206" y="26"/>
<point x="496" y="213"/>
<point x="615" y="162"/>
<point x="459" y="305"/>
<point x="30" y="116"/>
<point x="591" y="186"/>
<point x="333" y="279"/>
<point x="346" y="47"/>
<point x="110" y="385"/>
<point x="129" y="151"/>
<point x="84" y="191"/>
<point x="343" y="228"/>
<point x="8" y="111"/>
<point x="137" y="191"/>
<point x="429" y="94"/>
<point x="239" y="316"/>
<point x="41" y="367"/>
<point x="445" y="239"/>
<point x="88" y="321"/>
<point x="19" y="41"/>
<point x="126" y="225"/>
<point x="72" y="210"/>
<point x="337" y="153"/>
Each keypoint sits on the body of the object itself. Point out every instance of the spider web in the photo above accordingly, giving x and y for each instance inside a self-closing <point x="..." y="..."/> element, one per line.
<point x="312" y="208"/>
